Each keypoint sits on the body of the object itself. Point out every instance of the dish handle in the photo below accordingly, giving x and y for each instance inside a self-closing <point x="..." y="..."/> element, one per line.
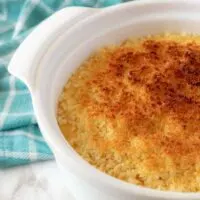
<point x="25" y="60"/>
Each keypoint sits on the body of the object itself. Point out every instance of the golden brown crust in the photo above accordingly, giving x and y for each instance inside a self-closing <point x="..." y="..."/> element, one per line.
<point x="133" y="111"/>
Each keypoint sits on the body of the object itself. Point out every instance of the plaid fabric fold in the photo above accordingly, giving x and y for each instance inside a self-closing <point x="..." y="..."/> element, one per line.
<point x="20" y="139"/>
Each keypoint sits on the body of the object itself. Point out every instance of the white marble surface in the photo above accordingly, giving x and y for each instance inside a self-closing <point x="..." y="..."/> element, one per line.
<point x="33" y="182"/>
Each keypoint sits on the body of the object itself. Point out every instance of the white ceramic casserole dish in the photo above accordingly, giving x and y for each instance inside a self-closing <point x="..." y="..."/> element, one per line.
<point x="49" y="55"/>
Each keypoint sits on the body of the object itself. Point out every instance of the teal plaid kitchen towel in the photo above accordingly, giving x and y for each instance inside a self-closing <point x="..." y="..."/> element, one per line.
<point x="20" y="139"/>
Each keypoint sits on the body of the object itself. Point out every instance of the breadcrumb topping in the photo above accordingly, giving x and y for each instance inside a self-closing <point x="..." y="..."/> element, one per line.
<point x="133" y="111"/>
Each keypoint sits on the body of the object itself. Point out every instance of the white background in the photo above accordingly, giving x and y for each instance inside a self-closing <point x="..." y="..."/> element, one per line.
<point x="33" y="182"/>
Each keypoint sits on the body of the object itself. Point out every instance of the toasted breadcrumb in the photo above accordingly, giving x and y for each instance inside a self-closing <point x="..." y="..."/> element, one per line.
<point x="133" y="111"/>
